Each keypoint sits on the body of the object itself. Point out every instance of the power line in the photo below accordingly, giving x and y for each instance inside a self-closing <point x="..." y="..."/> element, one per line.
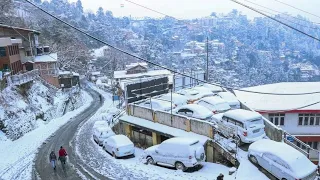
<point x="297" y="8"/>
<point x="281" y="12"/>
<point x="155" y="64"/>
<point x="253" y="9"/>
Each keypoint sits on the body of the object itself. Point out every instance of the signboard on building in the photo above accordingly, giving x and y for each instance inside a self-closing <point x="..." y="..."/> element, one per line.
<point x="146" y="88"/>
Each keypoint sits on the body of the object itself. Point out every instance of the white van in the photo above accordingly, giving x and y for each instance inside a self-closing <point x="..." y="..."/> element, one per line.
<point x="249" y="125"/>
<point x="102" y="133"/>
<point x="179" y="152"/>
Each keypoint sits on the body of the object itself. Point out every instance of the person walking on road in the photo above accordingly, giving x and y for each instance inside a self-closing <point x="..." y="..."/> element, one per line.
<point x="220" y="177"/>
<point x="53" y="159"/>
<point x="62" y="155"/>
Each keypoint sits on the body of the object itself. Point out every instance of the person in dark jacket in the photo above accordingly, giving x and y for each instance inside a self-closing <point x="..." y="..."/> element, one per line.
<point x="53" y="159"/>
<point x="62" y="155"/>
<point x="220" y="177"/>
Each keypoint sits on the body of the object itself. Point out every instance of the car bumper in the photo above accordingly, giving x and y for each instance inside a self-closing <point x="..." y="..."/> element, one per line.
<point x="123" y="154"/>
<point x="251" y="140"/>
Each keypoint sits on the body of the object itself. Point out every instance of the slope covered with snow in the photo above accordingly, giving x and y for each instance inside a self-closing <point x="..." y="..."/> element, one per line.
<point x="21" y="107"/>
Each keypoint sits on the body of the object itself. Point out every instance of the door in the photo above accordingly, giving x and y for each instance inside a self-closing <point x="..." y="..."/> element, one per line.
<point x="280" y="168"/>
<point x="266" y="162"/>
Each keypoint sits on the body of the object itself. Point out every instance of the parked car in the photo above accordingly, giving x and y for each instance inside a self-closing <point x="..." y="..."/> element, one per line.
<point x="119" y="146"/>
<point x="100" y="124"/>
<point x="214" y="104"/>
<point x="177" y="99"/>
<point x="281" y="160"/>
<point x="157" y="104"/>
<point x="195" y="111"/>
<point x="179" y="152"/>
<point x="102" y="133"/>
<point x="194" y="94"/>
<point x="231" y="99"/>
<point x="248" y="125"/>
<point x="212" y="88"/>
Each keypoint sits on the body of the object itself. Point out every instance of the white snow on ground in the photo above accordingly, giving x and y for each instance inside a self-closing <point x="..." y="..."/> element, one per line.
<point x="16" y="157"/>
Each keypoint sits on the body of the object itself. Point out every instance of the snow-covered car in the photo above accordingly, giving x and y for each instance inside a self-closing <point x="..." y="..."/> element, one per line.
<point x="100" y="124"/>
<point x="231" y="99"/>
<point x="177" y="99"/>
<point x="281" y="160"/>
<point x="157" y="104"/>
<point x="248" y="125"/>
<point x="195" y="93"/>
<point x="119" y="146"/>
<point x="100" y="134"/>
<point x="214" y="104"/>
<point x="195" y="111"/>
<point x="212" y="88"/>
<point x="179" y="152"/>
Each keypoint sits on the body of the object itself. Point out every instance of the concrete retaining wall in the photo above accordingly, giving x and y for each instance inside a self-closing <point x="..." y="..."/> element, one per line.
<point x="201" y="127"/>
<point x="181" y="122"/>
<point x="162" y="118"/>
<point x="140" y="112"/>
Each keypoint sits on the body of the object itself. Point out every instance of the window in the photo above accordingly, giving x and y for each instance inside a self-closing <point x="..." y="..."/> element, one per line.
<point x="277" y="119"/>
<point x="309" y="120"/>
<point x="3" y="52"/>
<point x="313" y="145"/>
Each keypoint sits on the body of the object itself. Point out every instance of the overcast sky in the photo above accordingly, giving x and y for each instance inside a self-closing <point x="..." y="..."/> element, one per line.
<point x="199" y="8"/>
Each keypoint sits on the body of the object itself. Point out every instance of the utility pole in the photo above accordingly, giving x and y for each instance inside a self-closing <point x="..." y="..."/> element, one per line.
<point x="207" y="70"/>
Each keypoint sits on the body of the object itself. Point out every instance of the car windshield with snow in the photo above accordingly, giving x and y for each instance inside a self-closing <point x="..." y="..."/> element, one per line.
<point x="195" y="93"/>
<point x="214" y="104"/>
<point x="177" y="99"/>
<point x="248" y="125"/>
<point x="195" y="111"/>
<point x="281" y="160"/>
<point x="212" y="88"/>
<point x="179" y="152"/>
<point x="158" y="104"/>
<point x="119" y="146"/>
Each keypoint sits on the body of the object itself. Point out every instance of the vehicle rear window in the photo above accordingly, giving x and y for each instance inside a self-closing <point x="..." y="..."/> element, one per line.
<point x="256" y="121"/>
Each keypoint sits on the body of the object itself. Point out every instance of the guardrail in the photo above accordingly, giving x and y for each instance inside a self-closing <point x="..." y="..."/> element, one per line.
<point x="19" y="79"/>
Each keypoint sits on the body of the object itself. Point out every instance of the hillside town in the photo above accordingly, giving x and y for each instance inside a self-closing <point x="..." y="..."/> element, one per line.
<point x="87" y="95"/>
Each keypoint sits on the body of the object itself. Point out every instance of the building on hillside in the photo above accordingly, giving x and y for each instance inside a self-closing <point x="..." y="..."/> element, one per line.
<point x="26" y="53"/>
<point x="10" y="59"/>
<point x="299" y="115"/>
<point x="139" y="70"/>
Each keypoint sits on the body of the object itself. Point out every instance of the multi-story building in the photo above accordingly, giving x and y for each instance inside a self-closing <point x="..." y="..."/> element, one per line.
<point x="20" y="51"/>
<point x="299" y="115"/>
<point x="10" y="59"/>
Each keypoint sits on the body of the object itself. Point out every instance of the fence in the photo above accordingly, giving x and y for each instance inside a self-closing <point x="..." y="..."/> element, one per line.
<point x="19" y="79"/>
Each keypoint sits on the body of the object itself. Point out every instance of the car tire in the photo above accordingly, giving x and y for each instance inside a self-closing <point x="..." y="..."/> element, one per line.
<point x="253" y="159"/>
<point x="150" y="161"/>
<point x="180" y="166"/>
<point x="114" y="155"/>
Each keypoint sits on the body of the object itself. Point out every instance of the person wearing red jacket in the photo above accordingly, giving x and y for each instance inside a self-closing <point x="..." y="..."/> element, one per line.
<point x="62" y="155"/>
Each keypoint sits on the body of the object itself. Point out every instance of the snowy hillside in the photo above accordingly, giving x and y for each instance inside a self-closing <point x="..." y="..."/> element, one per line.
<point x="21" y="107"/>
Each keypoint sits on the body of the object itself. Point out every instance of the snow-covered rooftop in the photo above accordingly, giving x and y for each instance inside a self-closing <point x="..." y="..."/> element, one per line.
<point x="53" y="57"/>
<point x="123" y="74"/>
<point x="163" y="128"/>
<point x="265" y="102"/>
<point x="242" y="115"/>
<point x="137" y="64"/>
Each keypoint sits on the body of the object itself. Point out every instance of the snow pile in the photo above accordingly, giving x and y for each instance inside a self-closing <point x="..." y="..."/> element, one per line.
<point x="17" y="164"/>
<point x="21" y="107"/>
